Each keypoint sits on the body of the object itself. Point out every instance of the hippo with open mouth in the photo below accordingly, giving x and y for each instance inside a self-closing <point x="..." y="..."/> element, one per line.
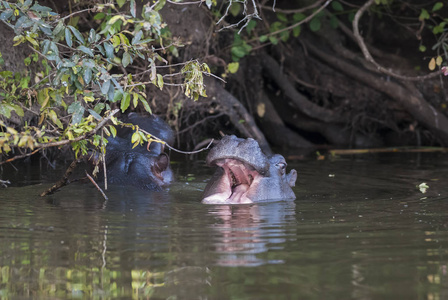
<point x="246" y="174"/>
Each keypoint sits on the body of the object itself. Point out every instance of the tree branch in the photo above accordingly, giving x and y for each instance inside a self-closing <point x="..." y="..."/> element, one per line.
<point x="300" y="102"/>
<point x="369" y="57"/>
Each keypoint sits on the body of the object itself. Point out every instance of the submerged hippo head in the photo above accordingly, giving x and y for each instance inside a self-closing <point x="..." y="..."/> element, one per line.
<point x="246" y="174"/>
<point x="146" y="166"/>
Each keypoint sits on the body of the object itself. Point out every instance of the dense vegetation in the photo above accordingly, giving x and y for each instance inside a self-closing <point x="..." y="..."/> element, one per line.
<point x="299" y="73"/>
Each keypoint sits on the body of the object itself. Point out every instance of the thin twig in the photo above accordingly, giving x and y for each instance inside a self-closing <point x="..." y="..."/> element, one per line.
<point x="186" y="3"/>
<point x="19" y="156"/>
<point x="63" y="181"/>
<point x="75" y="13"/>
<point x="4" y="183"/>
<point x="159" y="140"/>
<point x="298" y="23"/>
<point x="104" y="163"/>
<point x="96" y="185"/>
<point x="292" y="11"/>
<point x="369" y="57"/>
<point x="200" y="121"/>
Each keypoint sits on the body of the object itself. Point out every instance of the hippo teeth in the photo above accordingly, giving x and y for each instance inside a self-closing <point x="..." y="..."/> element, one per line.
<point x="239" y="175"/>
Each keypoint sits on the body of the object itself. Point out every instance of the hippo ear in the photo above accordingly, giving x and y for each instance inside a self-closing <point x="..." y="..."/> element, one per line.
<point x="161" y="163"/>
<point x="292" y="177"/>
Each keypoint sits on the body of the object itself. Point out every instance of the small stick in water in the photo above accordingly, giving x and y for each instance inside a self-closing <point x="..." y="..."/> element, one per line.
<point x="64" y="179"/>
<point x="96" y="185"/>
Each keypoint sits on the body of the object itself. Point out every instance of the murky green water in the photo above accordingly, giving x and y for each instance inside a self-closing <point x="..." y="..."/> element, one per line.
<point x="359" y="229"/>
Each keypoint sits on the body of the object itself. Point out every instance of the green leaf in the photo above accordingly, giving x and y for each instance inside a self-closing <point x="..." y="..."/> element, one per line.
<point x="40" y="8"/>
<point x="351" y="17"/>
<point x="115" y="19"/>
<point x="99" y="107"/>
<point x="77" y="34"/>
<point x="99" y="16"/>
<point x="432" y="64"/>
<point x="6" y="14"/>
<point x="439" y="28"/>
<point x="315" y="24"/>
<point x="95" y="114"/>
<point x="86" y="50"/>
<point x="424" y="15"/>
<point x="337" y="6"/>
<point x="437" y="6"/>
<point x="132" y="8"/>
<point x="125" y="101"/>
<point x="111" y="94"/>
<point x="135" y="99"/>
<point x="92" y="36"/>
<point x="145" y="103"/>
<point x="54" y="117"/>
<point x="251" y="25"/>
<point x="235" y="9"/>
<point x="160" y="81"/>
<point x="144" y="41"/>
<point x="121" y="3"/>
<point x="296" y="31"/>
<point x="298" y="17"/>
<point x="208" y="3"/>
<point x="422" y="48"/>
<point x="282" y="17"/>
<point x="116" y="95"/>
<point x="18" y="110"/>
<point x="58" y="28"/>
<point x="160" y="4"/>
<point x="124" y="40"/>
<point x="135" y="137"/>
<point x="126" y="60"/>
<point x="45" y="29"/>
<point x="233" y="67"/>
<point x="101" y="49"/>
<point x="116" y="41"/>
<point x="109" y="50"/>
<point x="238" y="51"/>
<point x="334" y="22"/>
<point x="77" y="111"/>
<point x="263" y="38"/>
<point x="68" y="37"/>
<point x="284" y="36"/>
<point x="105" y="87"/>
<point x="87" y="76"/>
<point x="113" y="130"/>
<point x="137" y="37"/>
<point x="5" y="109"/>
<point x="273" y="40"/>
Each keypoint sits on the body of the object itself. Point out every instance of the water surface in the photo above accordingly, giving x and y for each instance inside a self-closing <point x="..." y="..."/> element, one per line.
<point x="359" y="229"/>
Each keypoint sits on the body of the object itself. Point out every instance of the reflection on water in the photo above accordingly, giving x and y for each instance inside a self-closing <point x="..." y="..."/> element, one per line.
<point x="243" y="231"/>
<point x="359" y="229"/>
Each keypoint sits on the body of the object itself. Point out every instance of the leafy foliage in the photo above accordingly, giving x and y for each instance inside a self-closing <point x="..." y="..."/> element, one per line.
<point x="82" y="74"/>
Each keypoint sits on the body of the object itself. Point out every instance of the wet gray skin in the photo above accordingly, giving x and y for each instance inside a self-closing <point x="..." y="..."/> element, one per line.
<point x="146" y="167"/>
<point x="246" y="175"/>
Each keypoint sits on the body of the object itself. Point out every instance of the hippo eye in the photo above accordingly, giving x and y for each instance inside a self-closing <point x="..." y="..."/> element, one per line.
<point x="282" y="167"/>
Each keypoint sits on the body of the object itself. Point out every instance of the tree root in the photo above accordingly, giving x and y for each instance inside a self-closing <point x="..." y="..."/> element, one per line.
<point x="408" y="97"/>
<point x="275" y="129"/>
<point x="238" y="114"/>
<point x="300" y="102"/>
